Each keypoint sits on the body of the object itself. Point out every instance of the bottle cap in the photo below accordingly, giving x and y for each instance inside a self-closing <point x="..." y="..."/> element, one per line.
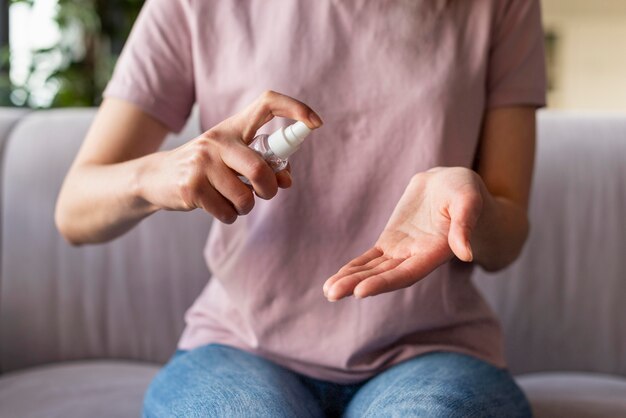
<point x="286" y="141"/>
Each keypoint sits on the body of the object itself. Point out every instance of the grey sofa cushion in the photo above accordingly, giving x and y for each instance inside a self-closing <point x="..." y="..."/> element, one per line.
<point x="575" y="395"/>
<point x="8" y="118"/>
<point x="76" y="389"/>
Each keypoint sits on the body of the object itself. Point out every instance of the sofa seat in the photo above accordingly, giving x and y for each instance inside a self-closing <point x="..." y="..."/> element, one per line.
<point x="575" y="395"/>
<point x="76" y="389"/>
<point x="115" y="389"/>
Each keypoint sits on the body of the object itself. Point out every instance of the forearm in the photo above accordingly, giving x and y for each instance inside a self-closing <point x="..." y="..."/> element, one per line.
<point x="100" y="202"/>
<point x="500" y="233"/>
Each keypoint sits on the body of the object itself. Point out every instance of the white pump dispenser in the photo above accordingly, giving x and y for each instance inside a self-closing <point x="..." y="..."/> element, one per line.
<point x="277" y="147"/>
<point x="286" y="141"/>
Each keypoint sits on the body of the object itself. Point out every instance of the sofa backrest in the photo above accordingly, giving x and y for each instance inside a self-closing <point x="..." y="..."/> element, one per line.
<point x="125" y="299"/>
<point x="562" y="303"/>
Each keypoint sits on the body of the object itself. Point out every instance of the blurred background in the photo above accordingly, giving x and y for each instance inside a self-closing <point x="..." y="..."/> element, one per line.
<point x="56" y="53"/>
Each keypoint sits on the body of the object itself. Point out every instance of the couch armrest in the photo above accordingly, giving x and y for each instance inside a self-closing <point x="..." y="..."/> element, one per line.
<point x="125" y="299"/>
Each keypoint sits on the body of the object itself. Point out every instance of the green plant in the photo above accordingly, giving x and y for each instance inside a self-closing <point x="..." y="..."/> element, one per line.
<point x="75" y="70"/>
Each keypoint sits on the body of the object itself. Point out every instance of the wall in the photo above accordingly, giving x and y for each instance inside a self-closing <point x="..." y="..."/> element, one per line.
<point x="590" y="53"/>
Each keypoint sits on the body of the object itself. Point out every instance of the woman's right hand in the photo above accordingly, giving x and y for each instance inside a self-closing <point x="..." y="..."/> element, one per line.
<point x="203" y="173"/>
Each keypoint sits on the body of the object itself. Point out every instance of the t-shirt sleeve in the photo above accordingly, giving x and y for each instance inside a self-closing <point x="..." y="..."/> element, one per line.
<point x="516" y="72"/>
<point x="155" y="68"/>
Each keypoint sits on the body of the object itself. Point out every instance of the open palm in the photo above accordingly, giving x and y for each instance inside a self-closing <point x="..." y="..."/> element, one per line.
<point x="431" y="223"/>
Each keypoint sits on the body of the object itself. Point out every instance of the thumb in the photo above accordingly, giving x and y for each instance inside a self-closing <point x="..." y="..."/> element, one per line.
<point x="269" y="105"/>
<point x="464" y="214"/>
<point x="459" y="241"/>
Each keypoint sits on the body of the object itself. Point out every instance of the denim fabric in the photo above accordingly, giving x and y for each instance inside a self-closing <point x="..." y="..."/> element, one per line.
<point x="221" y="381"/>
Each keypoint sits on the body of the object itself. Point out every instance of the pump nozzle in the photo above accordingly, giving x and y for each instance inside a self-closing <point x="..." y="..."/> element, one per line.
<point x="286" y="141"/>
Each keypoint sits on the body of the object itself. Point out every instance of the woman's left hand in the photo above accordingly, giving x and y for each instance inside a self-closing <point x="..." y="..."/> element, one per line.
<point x="432" y="222"/>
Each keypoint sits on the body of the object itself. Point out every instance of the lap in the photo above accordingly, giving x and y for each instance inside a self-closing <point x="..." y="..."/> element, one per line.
<point x="440" y="385"/>
<point x="217" y="380"/>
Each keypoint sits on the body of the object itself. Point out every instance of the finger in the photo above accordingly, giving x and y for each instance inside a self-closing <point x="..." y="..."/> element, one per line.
<point x="364" y="259"/>
<point x="410" y="271"/>
<point x="271" y="104"/>
<point x="404" y="274"/>
<point x="283" y="178"/>
<point x="249" y="164"/>
<point x="348" y="271"/>
<point x="226" y="182"/>
<point x="346" y="285"/>
<point x="208" y="199"/>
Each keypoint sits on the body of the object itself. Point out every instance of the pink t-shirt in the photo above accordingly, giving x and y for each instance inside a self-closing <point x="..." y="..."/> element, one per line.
<point x="402" y="86"/>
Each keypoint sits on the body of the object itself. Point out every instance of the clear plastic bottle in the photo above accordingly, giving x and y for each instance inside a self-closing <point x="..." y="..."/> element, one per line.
<point x="276" y="148"/>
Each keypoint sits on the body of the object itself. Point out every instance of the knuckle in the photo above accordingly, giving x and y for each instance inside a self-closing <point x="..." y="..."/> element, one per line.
<point x="273" y="192"/>
<point x="268" y="196"/>
<point x="189" y="190"/>
<point x="189" y="185"/>
<point x="267" y="96"/>
<point x="198" y="149"/>
<point x="257" y="170"/>
<point x="227" y="217"/>
<point x="197" y="158"/>
<point x="244" y="202"/>
<point x="418" y="179"/>
<point x="474" y="201"/>
<point x="208" y="137"/>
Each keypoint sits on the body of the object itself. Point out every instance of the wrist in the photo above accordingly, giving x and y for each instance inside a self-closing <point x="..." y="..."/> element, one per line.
<point x="500" y="233"/>
<point x="142" y="174"/>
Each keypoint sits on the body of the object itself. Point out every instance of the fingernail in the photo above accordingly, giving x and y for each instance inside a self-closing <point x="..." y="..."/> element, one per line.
<point x="331" y="296"/>
<point x="471" y="254"/>
<point x="315" y="120"/>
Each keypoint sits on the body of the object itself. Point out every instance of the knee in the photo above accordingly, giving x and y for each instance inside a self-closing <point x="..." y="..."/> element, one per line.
<point x="448" y="402"/>
<point x="165" y="398"/>
<point x="442" y="385"/>
<point x="193" y="386"/>
<point x="169" y="397"/>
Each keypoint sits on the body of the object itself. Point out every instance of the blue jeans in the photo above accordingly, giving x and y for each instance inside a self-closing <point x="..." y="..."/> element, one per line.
<point x="220" y="381"/>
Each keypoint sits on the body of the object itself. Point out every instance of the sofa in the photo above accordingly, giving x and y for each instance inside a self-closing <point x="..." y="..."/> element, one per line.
<point x="84" y="329"/>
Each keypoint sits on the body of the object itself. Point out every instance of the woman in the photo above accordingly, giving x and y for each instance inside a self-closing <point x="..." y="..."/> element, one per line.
<point x="429" y="108"/>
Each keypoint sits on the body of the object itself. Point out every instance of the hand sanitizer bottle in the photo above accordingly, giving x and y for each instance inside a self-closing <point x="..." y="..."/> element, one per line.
<point x="277" y="147"/>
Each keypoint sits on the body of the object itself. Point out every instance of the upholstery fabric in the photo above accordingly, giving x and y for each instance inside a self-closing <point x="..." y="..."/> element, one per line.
<point x="8" y="119"/>
<point x="76" y="389"/>
<point x="575" y="395"/>
<point x="125" y="299"/>
<point x="562" y="302"/>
